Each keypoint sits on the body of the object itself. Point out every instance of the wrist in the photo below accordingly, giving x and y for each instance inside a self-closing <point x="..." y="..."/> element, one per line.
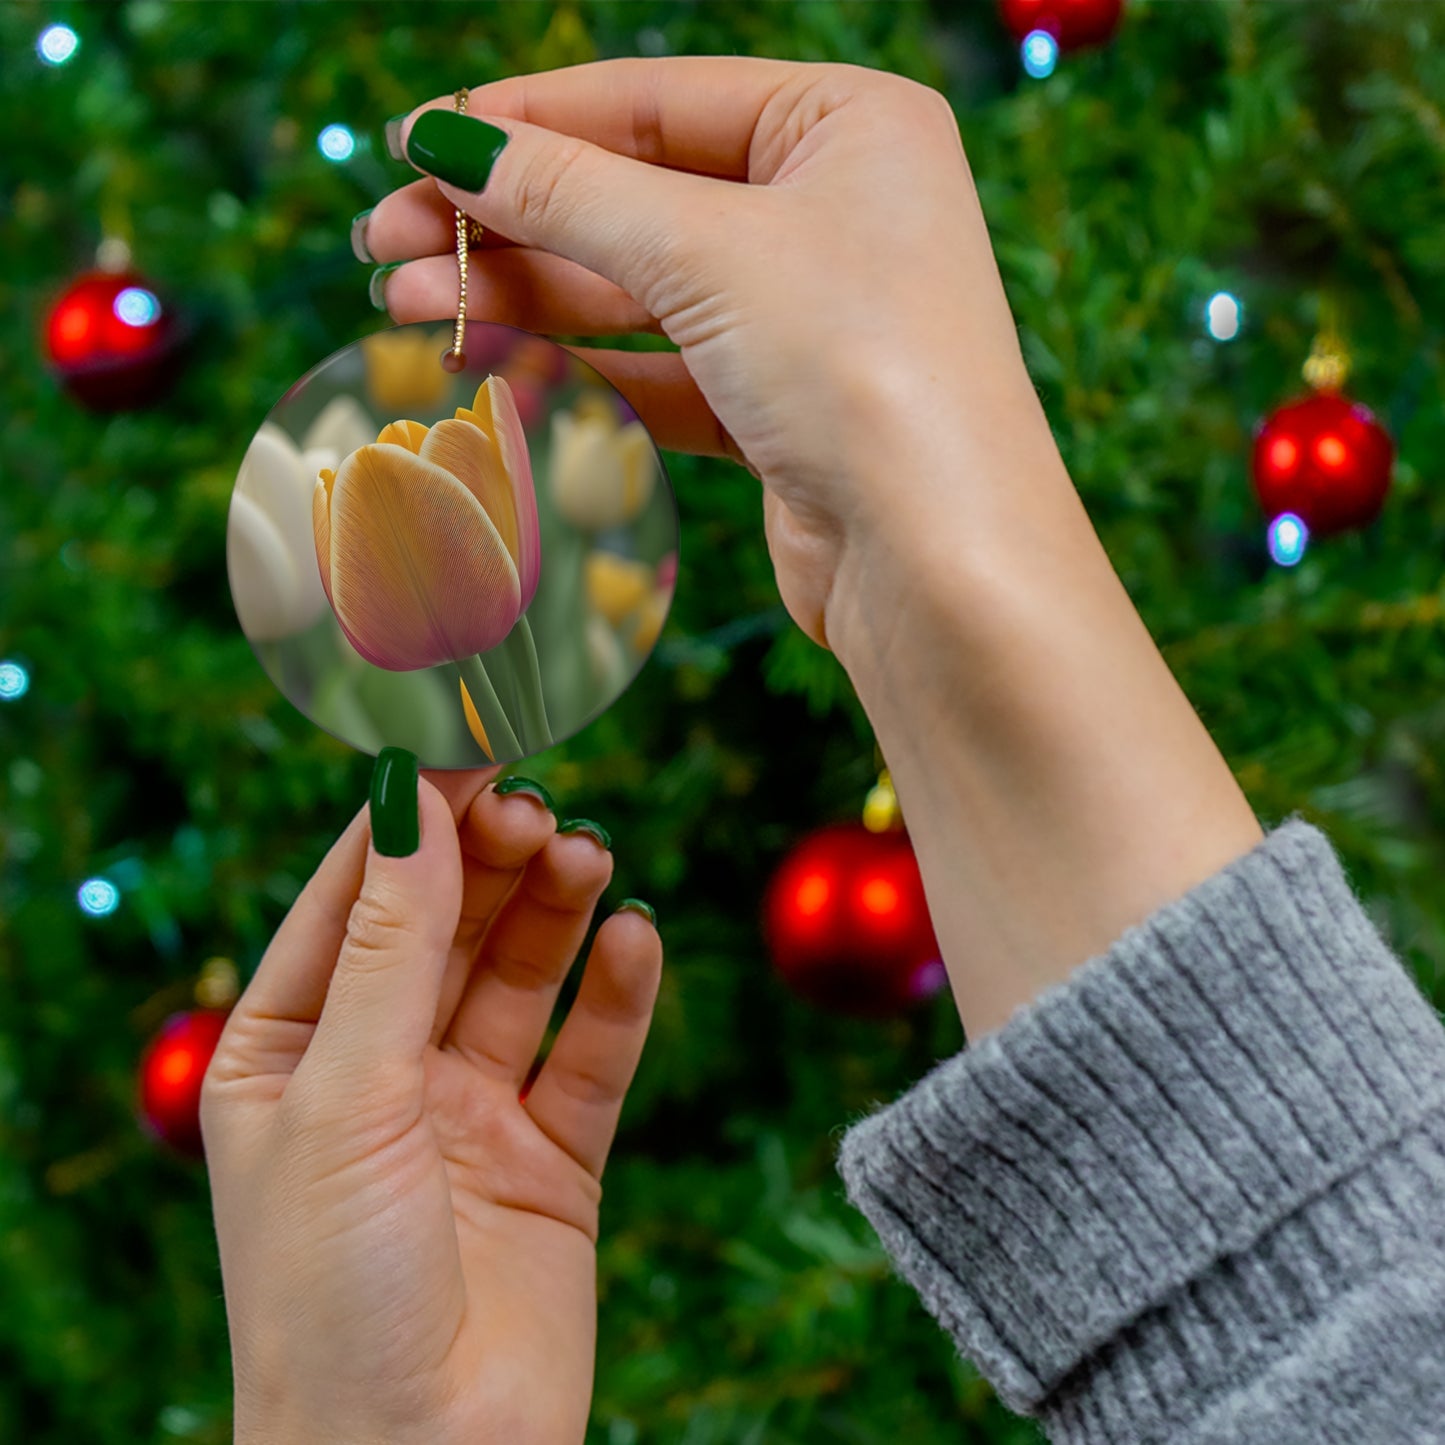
<point x="1056" y="782"/>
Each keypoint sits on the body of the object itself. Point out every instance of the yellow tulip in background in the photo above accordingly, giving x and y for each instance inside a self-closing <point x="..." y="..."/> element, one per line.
<point x="602" y="473"/>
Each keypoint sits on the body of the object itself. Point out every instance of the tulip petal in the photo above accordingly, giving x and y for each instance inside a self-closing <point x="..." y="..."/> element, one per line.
<point x="639" y="467"/>
<point x="470" y="455"/>
<point x="474" y="723"/>
<point x="321" y="528"/>
<point x="495" y="412"/>
<point x="341" y="426"/>
<point x="588" y="480"/>
<point x="264" y="583"/>
<point x="418" y="574"/>
<point x="274" y="479"/>
<point x="408" y="434"/>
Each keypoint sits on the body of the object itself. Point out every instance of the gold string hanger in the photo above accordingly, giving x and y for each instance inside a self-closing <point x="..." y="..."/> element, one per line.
<point x="468" y="231"/>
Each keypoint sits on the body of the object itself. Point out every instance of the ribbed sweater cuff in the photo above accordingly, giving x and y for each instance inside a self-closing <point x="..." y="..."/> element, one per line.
<point x="1169" y="1151"/>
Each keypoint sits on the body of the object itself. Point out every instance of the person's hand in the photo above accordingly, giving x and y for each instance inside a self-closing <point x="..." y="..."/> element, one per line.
<point x="407" y="1244"/>
<point x="810" y="237"/>
<point x="842" y="325"/>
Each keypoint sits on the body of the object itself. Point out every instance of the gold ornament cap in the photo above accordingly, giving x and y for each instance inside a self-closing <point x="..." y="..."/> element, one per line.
<point x="219" y="985"/>
<point x="881" y="812"/>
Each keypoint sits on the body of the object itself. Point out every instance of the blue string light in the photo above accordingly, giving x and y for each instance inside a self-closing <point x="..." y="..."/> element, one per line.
<point x="336" y="143"/>
<point x="98" y="897"/>
<point x="14" y="681"/>
<point x="1288" y="538"/>
<point x="1040" y="53"/>
<point x="57" y="44"/>
<point x="1223" y="316"/>
<point x="137" y="307"/>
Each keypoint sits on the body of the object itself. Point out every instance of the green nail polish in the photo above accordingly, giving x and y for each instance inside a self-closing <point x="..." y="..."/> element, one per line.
<point x="395" y="820"/>
<point x="376" y="289"/>
<point x="392" y="133"/>
<point x="516" y="784"/>
<point x="455" y="148"/>
<point x="586" y="825"/>
<point x="358" y="236"/>
<point x="636" y="905"/>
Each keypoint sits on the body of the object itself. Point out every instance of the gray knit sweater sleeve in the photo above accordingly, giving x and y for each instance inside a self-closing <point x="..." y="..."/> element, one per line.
<point x="1196" y="1192"/>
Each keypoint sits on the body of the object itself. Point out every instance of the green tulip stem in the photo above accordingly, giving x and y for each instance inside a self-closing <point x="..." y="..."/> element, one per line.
<point x="489" y="709"/>
<point x="522" y="650"/>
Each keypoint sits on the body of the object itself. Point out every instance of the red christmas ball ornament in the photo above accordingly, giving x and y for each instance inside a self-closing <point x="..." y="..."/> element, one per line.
<point x="1073" y="23"/>
<point x="112" y="341"/>
<point x="1324" y="458"/>
<point x="847" y="924"/>
<point x="171" y="1072"/>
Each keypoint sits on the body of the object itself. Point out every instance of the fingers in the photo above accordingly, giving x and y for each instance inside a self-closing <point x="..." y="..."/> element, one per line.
<point x="417" y="220"/>
<point x="382" y="998"/>
<point x="519" y="287"/>
<point x="499" y="834"/>
<point x="690" y="113"/>
<point x="577" y="1098"/>
<point x="271" y="1023"/>
<point x="623" y="219"/>
<point x="660" y="389"/>
<point x="460" y="787"/>
<point x="502" y="1015"/>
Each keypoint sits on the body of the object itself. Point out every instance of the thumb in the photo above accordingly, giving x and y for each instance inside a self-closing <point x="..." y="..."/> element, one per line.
<point x="633" y="223"/>
<point x="382" y="999"/>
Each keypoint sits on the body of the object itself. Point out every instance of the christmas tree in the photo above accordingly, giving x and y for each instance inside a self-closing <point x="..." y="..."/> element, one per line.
<point x="1179" y="214"/>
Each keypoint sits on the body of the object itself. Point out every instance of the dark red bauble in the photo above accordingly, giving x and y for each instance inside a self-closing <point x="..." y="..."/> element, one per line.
<point x="171" y="1071"/>
<point x="1324" y="458"/>
<point x="112" y="341"/>
<point x="1073" y="23"/>
<point x="847" y="924"/>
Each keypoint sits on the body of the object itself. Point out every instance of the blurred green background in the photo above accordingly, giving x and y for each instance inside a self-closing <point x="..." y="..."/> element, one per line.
<point x="1283" y="152"/>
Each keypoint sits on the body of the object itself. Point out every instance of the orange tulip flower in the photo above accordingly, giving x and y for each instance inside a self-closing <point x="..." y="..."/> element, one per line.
<point x="427" y="538"/>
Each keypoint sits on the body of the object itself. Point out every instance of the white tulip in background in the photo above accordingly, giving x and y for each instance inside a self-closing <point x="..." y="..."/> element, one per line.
<point x="271" y="544"/>
<point x="602" y="474"/>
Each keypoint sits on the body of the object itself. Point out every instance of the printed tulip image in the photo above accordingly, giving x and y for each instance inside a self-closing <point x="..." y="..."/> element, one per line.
<point x="270" y="552"/>
<point x="429" y="550"/>
<point x="603" y="472"/>
<point x="387" y="536"/>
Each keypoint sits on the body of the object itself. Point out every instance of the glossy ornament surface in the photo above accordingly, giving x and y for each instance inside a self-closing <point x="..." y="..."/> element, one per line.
<point x="847" y="924"/>
<point x="413" y="549"/>
<point x="1324" y="458"/>
<point x="112" y="340"/>
<point x="1073" y="23"/>
<point x="172" y="1070"/>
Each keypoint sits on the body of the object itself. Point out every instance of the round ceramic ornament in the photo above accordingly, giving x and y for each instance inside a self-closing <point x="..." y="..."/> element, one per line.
<point x="464" y="550"/>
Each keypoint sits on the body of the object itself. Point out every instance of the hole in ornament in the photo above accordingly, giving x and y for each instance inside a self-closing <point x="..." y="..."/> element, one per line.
<point x="454" y="361"/>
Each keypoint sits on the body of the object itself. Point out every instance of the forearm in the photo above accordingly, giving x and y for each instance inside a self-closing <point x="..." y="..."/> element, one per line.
<point x="1057" y="784"/>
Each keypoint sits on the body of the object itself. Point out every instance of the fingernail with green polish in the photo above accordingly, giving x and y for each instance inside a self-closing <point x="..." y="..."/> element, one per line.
<point x="515" y="784"/>
<point x="358" y="236"/>
<point x="455" y="148"/>
<point x="636" y="905"/>
<point x="586" y="825"/>
<point x="395" y="820"/>
<point x="393" y="136"/>
<point x="376" y="288"/>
